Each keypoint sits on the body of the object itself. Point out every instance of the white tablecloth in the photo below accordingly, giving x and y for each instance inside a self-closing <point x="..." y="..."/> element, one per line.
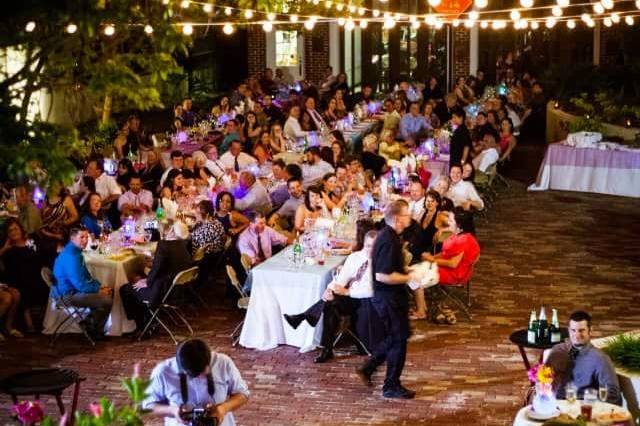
<point x="572" y="409"/>
<point x="110" y="273"/>
<point x="610" y="171"/>
<point x="278" y="289"/>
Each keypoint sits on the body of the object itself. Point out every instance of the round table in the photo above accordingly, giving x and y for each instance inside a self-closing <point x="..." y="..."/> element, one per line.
<point x="519" y="338"/>
<point x="572" y="409"/>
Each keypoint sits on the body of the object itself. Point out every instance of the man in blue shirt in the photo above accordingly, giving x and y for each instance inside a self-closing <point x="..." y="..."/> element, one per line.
<point x="75" y="285"/>
<point x="413" y="125"/>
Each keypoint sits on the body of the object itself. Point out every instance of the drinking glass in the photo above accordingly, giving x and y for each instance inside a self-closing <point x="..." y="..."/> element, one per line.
<point x="571" y="393"/>
<point x="590" y="397"/>
<point x="603" y="393"/>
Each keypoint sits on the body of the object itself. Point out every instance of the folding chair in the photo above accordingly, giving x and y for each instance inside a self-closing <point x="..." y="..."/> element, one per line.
<point x="246" y="262"/>
<point x="446" y="292"/>
<point x="345" y="328"/>
<point x="182" y="278"/>
<point x="73" y="314"/>
<point x="243" y="302"/>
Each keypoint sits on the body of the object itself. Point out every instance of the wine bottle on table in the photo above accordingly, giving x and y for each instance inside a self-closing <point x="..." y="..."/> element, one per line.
<point x="543" y="327"/>
<point x="532" y="331"/>
<point x="555" y="327"/>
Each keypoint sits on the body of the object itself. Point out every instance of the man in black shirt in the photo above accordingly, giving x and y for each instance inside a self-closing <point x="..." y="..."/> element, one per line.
<point x="371" y="160"/>
<point x="391" y="302"/>
<point x="460" y="144"/>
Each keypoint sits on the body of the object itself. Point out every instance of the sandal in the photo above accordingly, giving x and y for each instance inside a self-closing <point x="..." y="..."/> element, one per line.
<point x="415" y="317"/>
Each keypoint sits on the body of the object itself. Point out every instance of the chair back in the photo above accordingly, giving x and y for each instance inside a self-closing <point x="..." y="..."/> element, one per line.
<point x="47" y="276"/>
<point x="233" y="277"/>
<point x="199" y="254"/>
<point x="492" y="172"/>
<point x="187" y="276"/>
<point x="246" y="262"/>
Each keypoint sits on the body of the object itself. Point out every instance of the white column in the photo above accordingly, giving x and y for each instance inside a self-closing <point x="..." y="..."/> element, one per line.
<point x="474" y="42"/>
<point x="596" y="44"/>
<point x="334" y="47"/>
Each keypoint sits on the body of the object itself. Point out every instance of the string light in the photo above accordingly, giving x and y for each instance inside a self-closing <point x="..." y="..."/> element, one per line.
<point x="514" y="15"/>
<point x="430" y="20"/>
<point x="397" y="16"/>
<point x="316" y="2"/>
<point x="248" y="14"/>
<point x="187" y="29"/>
<point x="349" y="25"/>
<point x="227" y="11"/>
<point x="638" y="4"/>
<point x="294" y="18"/>
<point x="363" y="23"/>
<point x="352" y="8"/>
<point x="628" y="20"/>
<point x="30" y="26"/>
<point x="184" y="4"/>
<point x="271" y="16"/>
<point x="585" y="17"/>
<point x="563" y="3"/>
<point x="309" y="24"/>
<point x="376" y="12"/>
<point x="439" y="24"/>
<point x="165" y="2"/>
<point x="208" y="8"/>
<point x="267" y="27"/>
<point x="474" y="15"/>
<point x="535" y="25"/>
<point x="524" y="24"/>
<point x="361" y="11"/>
<point x="481" y="4"/>
<point x="598" y="8"/>
<point x="608" y="4"/>
<point x="571" y="24"/>
<point x="607" y="22"/>
<point x="526" y="3"/>
<point x="109" y="30"/>
<point x="615" y="18"/>
<point x="591" y="24"/>
<point x="550" y="22"/>
<point x="71" y="28"/>
<point x="148" y="29"/>
<point x="484" y="25"/>
<point x="455" y="23"/>
<point x="556" y="11"/>
<point x="415" y="24"/>
<point x="227" y="29"/>
<point x="341" y="21"/>
<point x="434" y="3"/>
<point x="468" y="23"/>
<point x="339" y="7"/>
<point x="388" y="23"/>
<point x="328" y="4"/>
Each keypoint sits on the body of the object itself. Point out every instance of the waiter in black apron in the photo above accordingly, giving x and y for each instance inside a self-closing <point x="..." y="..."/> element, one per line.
<point x="390" y="300"/>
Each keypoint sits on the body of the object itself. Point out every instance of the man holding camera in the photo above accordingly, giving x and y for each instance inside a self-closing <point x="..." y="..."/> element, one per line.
<point x="197" y="387"/>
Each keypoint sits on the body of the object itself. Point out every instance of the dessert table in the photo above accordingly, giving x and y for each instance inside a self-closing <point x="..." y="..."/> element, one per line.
<point x="573" y="410"/>
<point x="607" y="169"/>
<point x="280" y="288"/>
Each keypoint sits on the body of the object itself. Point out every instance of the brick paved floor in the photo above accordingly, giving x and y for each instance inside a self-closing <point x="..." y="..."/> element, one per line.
<point x="565" y="250"/>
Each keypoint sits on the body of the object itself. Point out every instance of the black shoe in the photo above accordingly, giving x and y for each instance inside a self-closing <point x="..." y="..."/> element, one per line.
<point x="294" y="320"/>
<point x="324" y="356"/>
<point x="365" y="376"/>
<point x="312" y="320"/>
<point x="399" y="392"/>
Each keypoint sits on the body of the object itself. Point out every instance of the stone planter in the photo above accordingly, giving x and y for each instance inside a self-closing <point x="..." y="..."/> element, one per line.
<point x="558" y="121"/>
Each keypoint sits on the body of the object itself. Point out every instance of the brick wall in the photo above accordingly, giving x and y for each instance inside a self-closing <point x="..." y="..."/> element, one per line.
<point x="256" y="49"/>
<point x="316" y="52"/>
<point x="461" y="59"/>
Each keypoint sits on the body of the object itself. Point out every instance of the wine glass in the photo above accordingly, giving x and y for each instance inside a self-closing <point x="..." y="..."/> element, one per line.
<point x="571" y="393"/>
<point x="94" y="244"/>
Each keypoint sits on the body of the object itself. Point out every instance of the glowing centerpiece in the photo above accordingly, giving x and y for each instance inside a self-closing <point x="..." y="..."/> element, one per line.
<point x="544" y="401"/>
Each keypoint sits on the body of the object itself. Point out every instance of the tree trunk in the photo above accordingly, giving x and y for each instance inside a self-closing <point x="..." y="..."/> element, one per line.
<point x="106" y="108"/>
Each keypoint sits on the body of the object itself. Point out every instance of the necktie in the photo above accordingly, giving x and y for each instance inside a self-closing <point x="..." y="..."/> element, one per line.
<point x="573" y="355"/>
<point x="359" y="274"/>
<point x="260" y="251"/>
<point x="236" y="165"/>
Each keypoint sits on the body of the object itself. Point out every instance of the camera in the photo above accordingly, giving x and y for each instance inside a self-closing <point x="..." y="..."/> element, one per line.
<point x="197" y="416"/>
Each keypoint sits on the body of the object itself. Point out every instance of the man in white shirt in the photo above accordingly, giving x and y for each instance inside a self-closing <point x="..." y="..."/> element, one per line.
<point x="106" y="185"/>
<point x="416" y="200"/>
<point x="213" y="164"/>
<point x="489" y="155"/>
<point x="235" y="159"/>
<point x="292" y="128"/>
<point x="196" y="378"/>
<point x="310" y="107"/>
<point x="463" y="193"/>
<point x="315" y="167"/>
<point x="328" y="80"/>
<point x="177" y="161"/>
<point x="343" y="297"/>
<point x="136" y="200"/>
<point x="253" y="196"/>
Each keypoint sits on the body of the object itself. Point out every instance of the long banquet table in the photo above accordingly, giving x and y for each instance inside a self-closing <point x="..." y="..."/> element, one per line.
<point x="605" y="171"/>
<point x="279" y="288"/>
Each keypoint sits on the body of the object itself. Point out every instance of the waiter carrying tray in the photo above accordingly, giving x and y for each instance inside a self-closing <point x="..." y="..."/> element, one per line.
<point x="391" y="301"/>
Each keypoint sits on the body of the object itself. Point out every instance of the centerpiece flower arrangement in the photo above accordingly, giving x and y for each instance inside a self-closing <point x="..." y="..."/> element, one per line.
<point x="544" y="400"/>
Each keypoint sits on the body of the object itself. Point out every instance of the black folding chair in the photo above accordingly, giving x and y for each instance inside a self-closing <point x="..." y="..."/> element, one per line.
<point x="74" y="315"/>
<point x="183" y="278"/>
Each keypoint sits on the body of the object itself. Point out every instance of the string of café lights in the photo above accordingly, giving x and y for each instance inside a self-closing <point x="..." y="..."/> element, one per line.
<point x="389" y="19"/>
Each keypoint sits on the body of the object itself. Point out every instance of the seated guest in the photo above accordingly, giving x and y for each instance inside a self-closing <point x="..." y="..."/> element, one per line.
<point x="208" y="234"/>
<point x="197" y="377"/>
<point x="293" y="127"/>
<point x="58" y="214"/>
<point x="468" y="172"/>
<point x="152" y="172"/>
<point x="463" y="92"/>
<point x="136" y="201"/>
<point x="171" y="256"/>
<point x="22" y="263"/>
<point x="277" y="186"/>
<point x="460" y="145"/>
<point x="315" y="167"/>
<point x="28" y="213"/>
<point x="284" y="216"/>
<point x="312" y="208"/>
<point x="177" y="162"/>
<point x="92" y="215"/>
<point x="106" y="185"/>
<point x="463" y="193"/>
<point x="488" y="155"/>
<point x="189" y="116"/>
<point x="75" y="285"/>
<point x="125" y="171"/>
<point x="443" y="109"/>
<point x="370" y="158"/>
<point x="251" y="131"/>
<point x="235" y="159"/>
<point x="233" y="221"/>
<point x="9" y="303"/>
<point x="272" y="112"/>
<point x="213" y="163"/>
<point x="232" y="132"/>
<point x="201" y="172"/>
<point x="330" y="114"/>
<point x="416" y="200"/>
<point x="430" y="116"/>
<point x="581" y="363"/>
<point x="329" y="195"/>
<point x="390" y="117"/>
<point x="279" y="139"/>
<point x="413" y="125"/>
<point x="389" y="147"/>
<point x="507" y="139"/>
<point x="258" y="240"/>
<point x="442" y="185"/>
<point x="221" y="108"/>
<point x="433" y="90"/>
<point x="337" y="150"/>
<point x="349" y="295"/>
<point x="254" y="196"/>
<point x="482" y="127"/>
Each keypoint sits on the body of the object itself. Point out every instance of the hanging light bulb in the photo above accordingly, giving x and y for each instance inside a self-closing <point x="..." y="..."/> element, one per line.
<point x="187" y="29"/>
<point x="481" y="4"/>
<point x="514" y="15"/>
<point x="607" y="22"/>
<point x="474" y="15"/>
<point x="628" y="20"/>
<point x="71" y="28"/>
<point x="184" y="4"/>
<point x="328" y="4"/>
<point x="267" y="27"/>
<point x="349" y="25"/>
<point x="563" y="3"/>
<point x="523" y="23"/>
<point x="376" y="12"/>
<point x="388" y="23"/>
<point x="30" y="26"/>
<point x="637" y="4"/>
<point x="556" y="11"/>
<point x="339" y="7"/>
<point x="434" y="3"/>
<point x="316" y="2"/>
<point x="361" y="11"/>
<point x="535" y="25"/>
<point x="363" y="23"/>
<point x="598" y="8"/>
<point x="468" y="23"/>
<point x="208" y="8"/>
<point x="387" y="15"/>
<point x="271" y="16"/>
<point x="571" y="24"/>
<point x="550" y="22"/>
<point x="526" y="3"/>
<point x="430" y="20"/>
<point x="415" y="24"/>
<point x="165" y="2"/>
<point x="248" y="14"/>
<point x="352" y="8"/>
<point x="148" y="29"/>
<point x="455" y="22"/>
<point x="591" y="24"/>
<point x="585" y="17"/>
<point x="109" y="30"/>
<point x="439" y="24"/>
<point x="227" y="11"/>
<point x="484" y="25"/>
<point x="341" y="21"/>
<point x="615" y="18"/>
<point x="293" y="18"/>
<point x="308" y="24"/>
<point x="608" y="4"/>
<point x="227" y="29"/>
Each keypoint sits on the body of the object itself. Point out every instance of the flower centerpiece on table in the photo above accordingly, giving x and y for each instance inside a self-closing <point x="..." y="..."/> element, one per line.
<point x="544" y="400"/>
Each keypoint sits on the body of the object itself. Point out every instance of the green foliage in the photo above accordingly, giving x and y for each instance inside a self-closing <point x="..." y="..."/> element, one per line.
<point x="624" y="350"/>
<point x="584" y="124"/>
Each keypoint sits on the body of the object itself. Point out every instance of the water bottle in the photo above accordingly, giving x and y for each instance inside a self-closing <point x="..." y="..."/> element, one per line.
<point x="297" y="252"/>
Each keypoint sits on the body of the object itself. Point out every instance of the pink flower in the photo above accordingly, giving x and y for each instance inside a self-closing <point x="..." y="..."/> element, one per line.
<point x="64" y="419"/>
<point x="136" y="370"/>
<point x="28" y="412"/>
<point x="95" y="409"/>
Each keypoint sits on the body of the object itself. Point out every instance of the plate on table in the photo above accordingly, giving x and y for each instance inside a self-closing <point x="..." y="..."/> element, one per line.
<point x="533" y="415"/>
<point x="612" y="417"/>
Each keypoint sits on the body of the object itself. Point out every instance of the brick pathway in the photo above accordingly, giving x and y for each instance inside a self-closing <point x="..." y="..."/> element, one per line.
<point x="566" y="250"/>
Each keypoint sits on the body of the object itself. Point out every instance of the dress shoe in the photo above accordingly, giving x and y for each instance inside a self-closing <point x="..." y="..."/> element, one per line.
<point x="364" y="376"/>
<point x="294" y="320"/>
<point x="324" y="356"/>
<point x="399" y="392"/>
